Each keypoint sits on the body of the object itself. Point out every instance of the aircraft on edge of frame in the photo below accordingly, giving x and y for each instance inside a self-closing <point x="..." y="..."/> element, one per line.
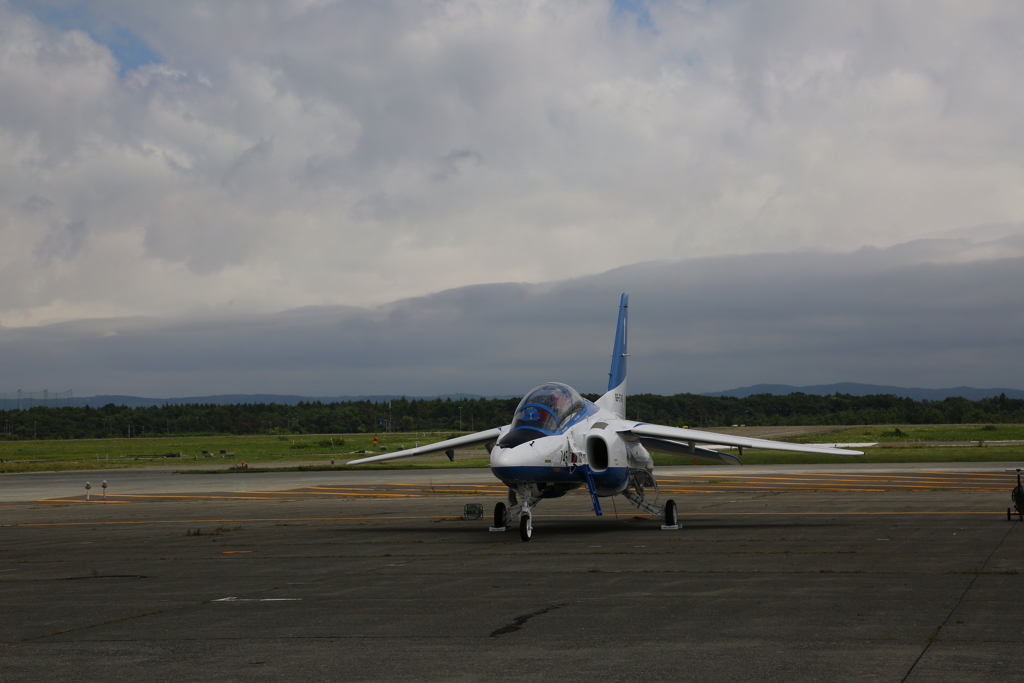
<point x="559" y="441"/>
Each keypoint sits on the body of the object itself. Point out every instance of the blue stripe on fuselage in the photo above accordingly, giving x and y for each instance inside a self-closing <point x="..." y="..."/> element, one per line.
<point x="609" y="482"/>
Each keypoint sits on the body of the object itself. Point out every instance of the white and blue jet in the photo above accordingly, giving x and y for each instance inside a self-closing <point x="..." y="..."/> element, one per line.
<point x="559" y="441"/>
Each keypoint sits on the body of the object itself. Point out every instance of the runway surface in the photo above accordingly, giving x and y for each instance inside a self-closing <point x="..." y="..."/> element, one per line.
<point x="783" y="574"/>
<point x="128" y="486"/>
<point x="36" y="486"/>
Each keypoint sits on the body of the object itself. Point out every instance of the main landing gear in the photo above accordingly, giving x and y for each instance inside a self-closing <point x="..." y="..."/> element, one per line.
<point x="671" y="518"/>
<point x="1017" y="496"/>
<point x="639" y="478"/>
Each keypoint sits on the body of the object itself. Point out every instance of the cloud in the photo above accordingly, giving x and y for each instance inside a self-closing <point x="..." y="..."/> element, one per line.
<point x="62" y="242"/>
<point x="911" y="315"/>
<point x="262" y="156"/>
<point x="455" y="161"/>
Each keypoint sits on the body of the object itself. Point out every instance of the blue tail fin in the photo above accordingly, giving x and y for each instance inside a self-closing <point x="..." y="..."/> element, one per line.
<point x="615" y="399"/>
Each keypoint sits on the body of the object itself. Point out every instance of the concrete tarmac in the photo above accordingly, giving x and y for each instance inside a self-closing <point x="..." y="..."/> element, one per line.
<point x="374" y="576"/>
<point x="163" y="479"/>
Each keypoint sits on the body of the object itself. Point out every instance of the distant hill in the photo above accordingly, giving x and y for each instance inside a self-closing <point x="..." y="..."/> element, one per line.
<point x="851" y="388"/>
<point x="235" y="399"/>
<point x="855" y="389"/>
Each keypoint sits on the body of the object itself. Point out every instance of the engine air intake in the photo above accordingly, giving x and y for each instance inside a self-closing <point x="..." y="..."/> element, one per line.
<point x="597" y="453"/>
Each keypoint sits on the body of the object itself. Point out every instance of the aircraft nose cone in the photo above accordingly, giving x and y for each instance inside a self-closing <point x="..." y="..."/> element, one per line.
<point x="530" y="454"/>
<point x="504" y="457"/>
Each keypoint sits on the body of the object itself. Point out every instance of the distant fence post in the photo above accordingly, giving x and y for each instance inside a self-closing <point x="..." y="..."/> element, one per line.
<point x="29" y="399"/>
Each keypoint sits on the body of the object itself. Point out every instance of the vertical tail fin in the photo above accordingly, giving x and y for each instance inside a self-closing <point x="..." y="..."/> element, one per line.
<point x="615" y="399"/>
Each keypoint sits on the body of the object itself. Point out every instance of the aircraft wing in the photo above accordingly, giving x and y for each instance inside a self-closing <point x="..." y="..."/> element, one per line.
<point x="467" y="441"/>
<point x="693" y="437"/>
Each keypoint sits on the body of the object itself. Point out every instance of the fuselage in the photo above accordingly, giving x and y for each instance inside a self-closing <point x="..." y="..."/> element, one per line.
<point x="556" y="437"/>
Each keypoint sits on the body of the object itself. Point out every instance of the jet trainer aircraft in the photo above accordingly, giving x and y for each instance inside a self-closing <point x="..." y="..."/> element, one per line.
<point x="559" y="441"/>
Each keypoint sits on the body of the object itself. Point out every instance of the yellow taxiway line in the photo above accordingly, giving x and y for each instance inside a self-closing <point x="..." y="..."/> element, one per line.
<point x="683" y="515"/>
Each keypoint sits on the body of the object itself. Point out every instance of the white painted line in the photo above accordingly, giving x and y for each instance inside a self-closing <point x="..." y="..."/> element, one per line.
<point x="234" y="599"/>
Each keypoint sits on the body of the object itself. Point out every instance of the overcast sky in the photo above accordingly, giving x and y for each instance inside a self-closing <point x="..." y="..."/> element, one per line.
<point x="916" y="315"/>
<point x="215" y="166"/>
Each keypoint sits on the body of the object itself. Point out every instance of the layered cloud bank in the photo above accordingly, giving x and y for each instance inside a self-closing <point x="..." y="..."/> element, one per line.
<point x="927" y="314"/>
<point x="250" y="157"/>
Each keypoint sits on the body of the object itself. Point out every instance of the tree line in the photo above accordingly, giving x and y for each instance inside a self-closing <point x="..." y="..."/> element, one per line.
<point x="419" y="415"/>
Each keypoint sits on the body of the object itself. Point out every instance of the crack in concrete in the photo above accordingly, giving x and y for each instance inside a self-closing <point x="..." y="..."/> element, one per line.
<point x="520" y="620"/>
<point x="86" y="626"/>
<point x="934" y="636"/>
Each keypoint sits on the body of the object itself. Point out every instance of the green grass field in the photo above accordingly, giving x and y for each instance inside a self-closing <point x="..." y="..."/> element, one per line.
<point x="912" y="433"/>
<point x="1008" y="454"/>
<point x="40" y="456"/>
<point x="287" y="451"/>
<point x="434" y="462"/>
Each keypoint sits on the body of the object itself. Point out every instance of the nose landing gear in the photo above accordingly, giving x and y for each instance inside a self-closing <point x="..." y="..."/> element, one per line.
<point x="503" y="514"/>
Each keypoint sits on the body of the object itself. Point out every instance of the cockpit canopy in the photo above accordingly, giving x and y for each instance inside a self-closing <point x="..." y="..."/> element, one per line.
<point x="547" y="407"/>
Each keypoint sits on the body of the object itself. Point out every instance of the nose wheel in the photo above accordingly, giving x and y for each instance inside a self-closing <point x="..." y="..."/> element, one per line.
<point x="526" y="526"/>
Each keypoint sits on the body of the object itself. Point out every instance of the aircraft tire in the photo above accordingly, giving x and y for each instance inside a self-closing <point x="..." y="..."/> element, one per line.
<point x="499" y="515"/>
<point x="671" y="516"/>
<point x="1007" y="514"/>
<point x="525" y="527"/>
